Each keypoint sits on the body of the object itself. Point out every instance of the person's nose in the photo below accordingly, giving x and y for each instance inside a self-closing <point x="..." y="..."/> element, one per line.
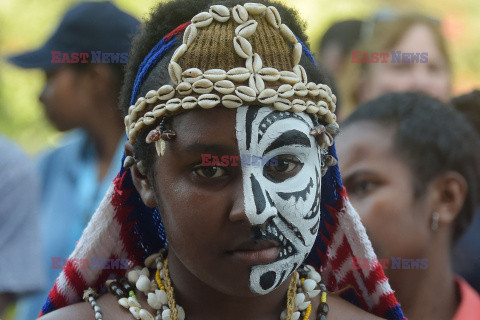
<point x="43" y="97"/>
<point x="421" y="80"/>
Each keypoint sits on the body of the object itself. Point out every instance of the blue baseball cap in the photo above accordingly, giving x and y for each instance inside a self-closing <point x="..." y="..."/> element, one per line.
<point x="85" y="27"/>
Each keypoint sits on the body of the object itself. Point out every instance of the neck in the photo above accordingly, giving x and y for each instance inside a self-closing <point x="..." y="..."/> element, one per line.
<point x="105" y="131"/>
<point x="430" y="293"/>
<point x="202" y="301"/>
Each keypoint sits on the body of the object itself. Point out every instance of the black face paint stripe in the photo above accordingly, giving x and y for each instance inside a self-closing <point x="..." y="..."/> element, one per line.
<point x="295" y="230"/>
<point x="294" y="267"/>
<point x="315" y="209"/>
<point x="258" y="197"/>
<point x="298" y="194"/>
<point x="290" y="137"/>
<point x="267" y="280"/>
<point x="275" y="116"/>
<point x="251" y="115"/>
<point x="314" y="229"/>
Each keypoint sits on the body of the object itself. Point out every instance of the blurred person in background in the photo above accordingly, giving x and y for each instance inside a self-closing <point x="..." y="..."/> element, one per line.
<point x="83" y="62"/>
<point x="466" y="253"/>
<point x="335" y="50"/>
<point x="411" y="167"/>
<point x="406" y="52"/>
<point x="336" y="45"/>
<point x="21" y="270"/>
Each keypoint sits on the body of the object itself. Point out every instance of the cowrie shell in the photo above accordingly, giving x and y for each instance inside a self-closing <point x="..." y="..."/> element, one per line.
<point x="140" y="106"/>
<point x="256" y="83"/>
<point x="322" y="107"/>
<point x="151" y="96"/>
<point x="148" y="118"/>
<point x="325" y="88"/>
<point x="254" y="63"/>
<point x="208" y="100"/>
<point x="246" y="29"/>
<point x="220" y="13"/>
<point x="298" y="105"/>
<point x="268" y="96"/>
<point x="246" y="93"/>
<point x="202" y="86"/>
<point x="184" y="88"/>
<point x="269" y="74"/>
<point x="297" y="53"/>
<point x="300" y="89"/>
<point x="191" y="75"/>
<point x="224" y="86"/>
<point x="273" y="17"/>
<point x="334" y="98"/>
<point x="165" y="92"/>
<point x="145" y="315"/>
<point x="203" y="19"/>
<point x="285" y="91"/>
<point x="175" y="72"/>
<point x="313" y="89"/>
<point x="324" y="95"/>
<point x="254" y="8"/>
<point x="157" y="113"/>
<point x="215" y="75"/>
<point x="289" y="77"/>
<point x="240" y="14"/>
<point x="287" y="34"/>
<point x="135" y="311"/>
<point x="312" y="107"/>
<point x="282" y="104"/>
<point x="230" y="101"/>
<point x="301" y="73"/>
<point x="330" y="118"/>
<point x="179" y="52"/>
<point x="173" y="104"/>
<point x="160" y="146"/>
<point x="189" y="102"/>
<point x="124" y="303"/>
<point x="242" y="47"/>
<point x="190" y="34"/>
<point x="126" y="121"/>
<point x="238" y="74"/>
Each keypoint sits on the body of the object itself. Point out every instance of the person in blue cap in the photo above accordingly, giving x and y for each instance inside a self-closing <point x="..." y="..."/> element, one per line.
<point x="83" y="61"/>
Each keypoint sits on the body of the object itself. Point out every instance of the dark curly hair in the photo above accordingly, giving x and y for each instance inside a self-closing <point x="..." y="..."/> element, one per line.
<point x="164" y="18"/>
<point x="431" y="138"/>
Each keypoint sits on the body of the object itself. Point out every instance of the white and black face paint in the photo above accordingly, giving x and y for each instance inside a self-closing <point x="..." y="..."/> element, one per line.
<point x="283" y="210"/>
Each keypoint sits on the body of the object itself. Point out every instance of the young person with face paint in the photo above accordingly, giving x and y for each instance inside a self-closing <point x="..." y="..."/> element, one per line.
<point x="411" y="167"/>
<point x="234" y="242"/>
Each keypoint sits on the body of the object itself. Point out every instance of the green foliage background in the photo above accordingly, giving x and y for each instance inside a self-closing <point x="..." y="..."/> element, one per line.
<point x="25" y="24"/>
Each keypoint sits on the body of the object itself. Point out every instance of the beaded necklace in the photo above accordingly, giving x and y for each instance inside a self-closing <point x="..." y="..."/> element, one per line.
<point x="304" y="285"/>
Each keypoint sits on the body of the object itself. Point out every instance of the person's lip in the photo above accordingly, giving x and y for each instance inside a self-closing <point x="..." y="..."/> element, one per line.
<point x="262" y="252"/>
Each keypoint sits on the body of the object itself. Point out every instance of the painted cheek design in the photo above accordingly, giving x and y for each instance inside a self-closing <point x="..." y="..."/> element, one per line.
<point x="286" y="210"/>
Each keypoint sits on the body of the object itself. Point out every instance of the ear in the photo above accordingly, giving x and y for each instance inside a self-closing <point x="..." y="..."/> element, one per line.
<point x="451" y="188"/>
<point x="141" y="181"/>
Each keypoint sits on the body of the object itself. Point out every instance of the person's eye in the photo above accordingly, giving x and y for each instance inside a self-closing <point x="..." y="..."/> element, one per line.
<point x="282" y="167"/>
<point x="209" y="171"/>
<point x="362" y="187"/>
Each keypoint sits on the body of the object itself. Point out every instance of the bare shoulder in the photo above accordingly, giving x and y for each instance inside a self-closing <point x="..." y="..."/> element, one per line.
<point x="340" y="309"/>
<point x="84" y="311"/>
